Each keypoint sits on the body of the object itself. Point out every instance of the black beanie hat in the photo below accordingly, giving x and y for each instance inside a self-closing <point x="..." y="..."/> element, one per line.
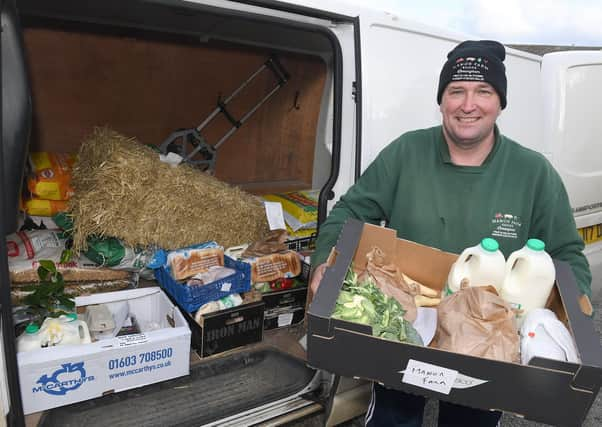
<point x="474" y="60"/>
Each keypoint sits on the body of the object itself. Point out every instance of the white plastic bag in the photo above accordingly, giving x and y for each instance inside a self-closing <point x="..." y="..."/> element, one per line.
<point x="543" y="335"/>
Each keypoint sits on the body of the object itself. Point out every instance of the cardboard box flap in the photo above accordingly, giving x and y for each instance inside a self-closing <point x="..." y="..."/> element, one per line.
<point x="410" y="258"/>
<point x="123" y="295"/>
<point x="557" y="365"/>
<point x="373" y="235"/>
<point x="582" y="328"/>
<point x="581" y="325"/>
<point x="406" y="255"/>
<point x="325" y="299"/>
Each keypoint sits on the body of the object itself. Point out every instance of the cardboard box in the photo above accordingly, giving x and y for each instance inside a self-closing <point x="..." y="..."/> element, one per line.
<point x="227" y="329"/>
<point x="60" y="375"/>
<point x="284" y="308"/>
<point x="548" y="391"/>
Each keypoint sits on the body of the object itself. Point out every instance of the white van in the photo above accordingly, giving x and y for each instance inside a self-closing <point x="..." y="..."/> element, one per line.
<point x="356" y="78"/>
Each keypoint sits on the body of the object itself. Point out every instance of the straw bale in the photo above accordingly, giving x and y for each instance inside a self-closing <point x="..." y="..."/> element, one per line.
<point x="123" y="190"/>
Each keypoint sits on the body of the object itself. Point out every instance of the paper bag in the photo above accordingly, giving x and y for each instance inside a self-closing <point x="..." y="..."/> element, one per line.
<point x="389" y="280"/>
<point x="478" y="322"/>
<point x="272" y="243"/>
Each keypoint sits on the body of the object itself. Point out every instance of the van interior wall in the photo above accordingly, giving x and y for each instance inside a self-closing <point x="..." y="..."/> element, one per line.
<point x="148" y="87"/>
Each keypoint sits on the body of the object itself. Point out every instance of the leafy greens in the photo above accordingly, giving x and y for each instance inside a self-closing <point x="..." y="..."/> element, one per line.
<point x="363" y="302"/>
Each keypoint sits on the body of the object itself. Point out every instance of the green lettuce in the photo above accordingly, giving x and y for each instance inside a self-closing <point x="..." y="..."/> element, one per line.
<point x="363" y="302"/>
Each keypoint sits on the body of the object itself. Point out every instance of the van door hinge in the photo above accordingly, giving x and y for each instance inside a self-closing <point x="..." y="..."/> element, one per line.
<point x="354" y="91"/>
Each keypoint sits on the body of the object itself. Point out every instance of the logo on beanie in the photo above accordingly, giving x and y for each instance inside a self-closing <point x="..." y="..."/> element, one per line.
<point x="476" y="60"/>
<point x="469" y="68"/>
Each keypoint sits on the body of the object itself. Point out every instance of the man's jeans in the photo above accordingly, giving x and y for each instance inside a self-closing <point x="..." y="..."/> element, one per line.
<point x="393" y="408"/>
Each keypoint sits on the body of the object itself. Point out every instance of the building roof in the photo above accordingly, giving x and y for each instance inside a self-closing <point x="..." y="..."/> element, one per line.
<point x="542" y="49"/>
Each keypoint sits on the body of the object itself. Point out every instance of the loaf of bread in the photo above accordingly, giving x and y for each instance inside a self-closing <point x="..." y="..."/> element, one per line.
<point x="187" y="263"/>
<point x="275" y="266"/>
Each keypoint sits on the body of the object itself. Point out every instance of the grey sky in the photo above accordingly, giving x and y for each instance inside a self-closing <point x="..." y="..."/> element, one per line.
<point x="562" y="22"/>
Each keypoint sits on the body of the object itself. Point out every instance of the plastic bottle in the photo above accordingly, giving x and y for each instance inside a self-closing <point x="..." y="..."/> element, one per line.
<point x="480" y="265"/>
<point x="66" y="329"/>
<point x="529" y="278"/>
<point x="83" y="333"/>
<point x="30" y="339"/>
<point x="230" y="301"/>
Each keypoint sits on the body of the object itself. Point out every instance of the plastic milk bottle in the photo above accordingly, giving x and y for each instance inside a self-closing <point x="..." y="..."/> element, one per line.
<point x="479" y="265"/>
<point x="529" y="279"/>
<point x="30" y="339"/>
<point x="66" y="329"/>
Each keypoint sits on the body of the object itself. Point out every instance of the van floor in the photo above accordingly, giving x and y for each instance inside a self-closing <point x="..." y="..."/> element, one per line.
<point x="213" y="390"/>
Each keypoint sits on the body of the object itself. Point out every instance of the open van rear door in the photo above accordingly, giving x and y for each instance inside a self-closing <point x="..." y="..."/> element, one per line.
<point x="572" y="95"/>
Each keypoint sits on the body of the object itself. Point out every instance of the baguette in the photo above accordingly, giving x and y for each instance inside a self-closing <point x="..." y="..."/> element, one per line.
<point x="71" y="274"/>
<point x="424" y="290"/>
<point x="424" y="301"/>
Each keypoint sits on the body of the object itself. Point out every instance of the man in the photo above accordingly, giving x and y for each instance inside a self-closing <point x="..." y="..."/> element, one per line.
<point x="452" y="185"/>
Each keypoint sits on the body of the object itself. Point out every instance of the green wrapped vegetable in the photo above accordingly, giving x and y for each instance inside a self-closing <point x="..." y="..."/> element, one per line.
<point x="365" y="303"/>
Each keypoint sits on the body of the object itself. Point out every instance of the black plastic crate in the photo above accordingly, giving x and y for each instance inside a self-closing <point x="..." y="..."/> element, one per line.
<point x="284" y="308"/>
<point x="303" y="243"/>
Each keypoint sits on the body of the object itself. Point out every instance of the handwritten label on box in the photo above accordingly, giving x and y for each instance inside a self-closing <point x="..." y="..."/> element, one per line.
<point x="431" y="377"/>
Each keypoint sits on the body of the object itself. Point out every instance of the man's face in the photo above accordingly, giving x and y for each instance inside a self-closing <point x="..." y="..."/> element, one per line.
<point x="469" y="110"/>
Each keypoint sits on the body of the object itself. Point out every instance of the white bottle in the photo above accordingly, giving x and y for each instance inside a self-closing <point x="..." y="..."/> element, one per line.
<point x="65" y="329"/>
<point x="529" y="278"/>
<point x="230" y="301"/>
<point x="30" y="339"/>
<point x="479" y="265"/>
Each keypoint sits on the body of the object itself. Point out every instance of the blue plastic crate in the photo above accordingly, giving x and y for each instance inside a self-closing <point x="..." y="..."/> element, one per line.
<point x="190" y="298"/>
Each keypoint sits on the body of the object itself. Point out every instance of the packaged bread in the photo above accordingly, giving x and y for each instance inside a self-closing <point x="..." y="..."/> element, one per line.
<point x="275" y="266"/>
<point x="185" y="263"/>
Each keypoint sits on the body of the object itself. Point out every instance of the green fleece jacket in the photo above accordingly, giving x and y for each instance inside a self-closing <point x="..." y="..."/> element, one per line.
<point x="413" y="186"/>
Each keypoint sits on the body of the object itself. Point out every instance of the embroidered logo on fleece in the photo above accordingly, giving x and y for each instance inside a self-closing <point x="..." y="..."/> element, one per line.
<point x="506" y="225"/>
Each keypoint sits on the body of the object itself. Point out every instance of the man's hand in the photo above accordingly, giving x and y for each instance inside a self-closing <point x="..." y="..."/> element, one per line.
<point x="316" y="278"/>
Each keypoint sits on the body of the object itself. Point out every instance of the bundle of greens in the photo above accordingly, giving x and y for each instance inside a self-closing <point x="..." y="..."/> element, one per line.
<point x="363" y="302"/>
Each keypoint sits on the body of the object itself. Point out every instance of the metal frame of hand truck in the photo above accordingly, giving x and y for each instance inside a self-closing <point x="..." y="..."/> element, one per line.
<point x="189" y="143"/>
